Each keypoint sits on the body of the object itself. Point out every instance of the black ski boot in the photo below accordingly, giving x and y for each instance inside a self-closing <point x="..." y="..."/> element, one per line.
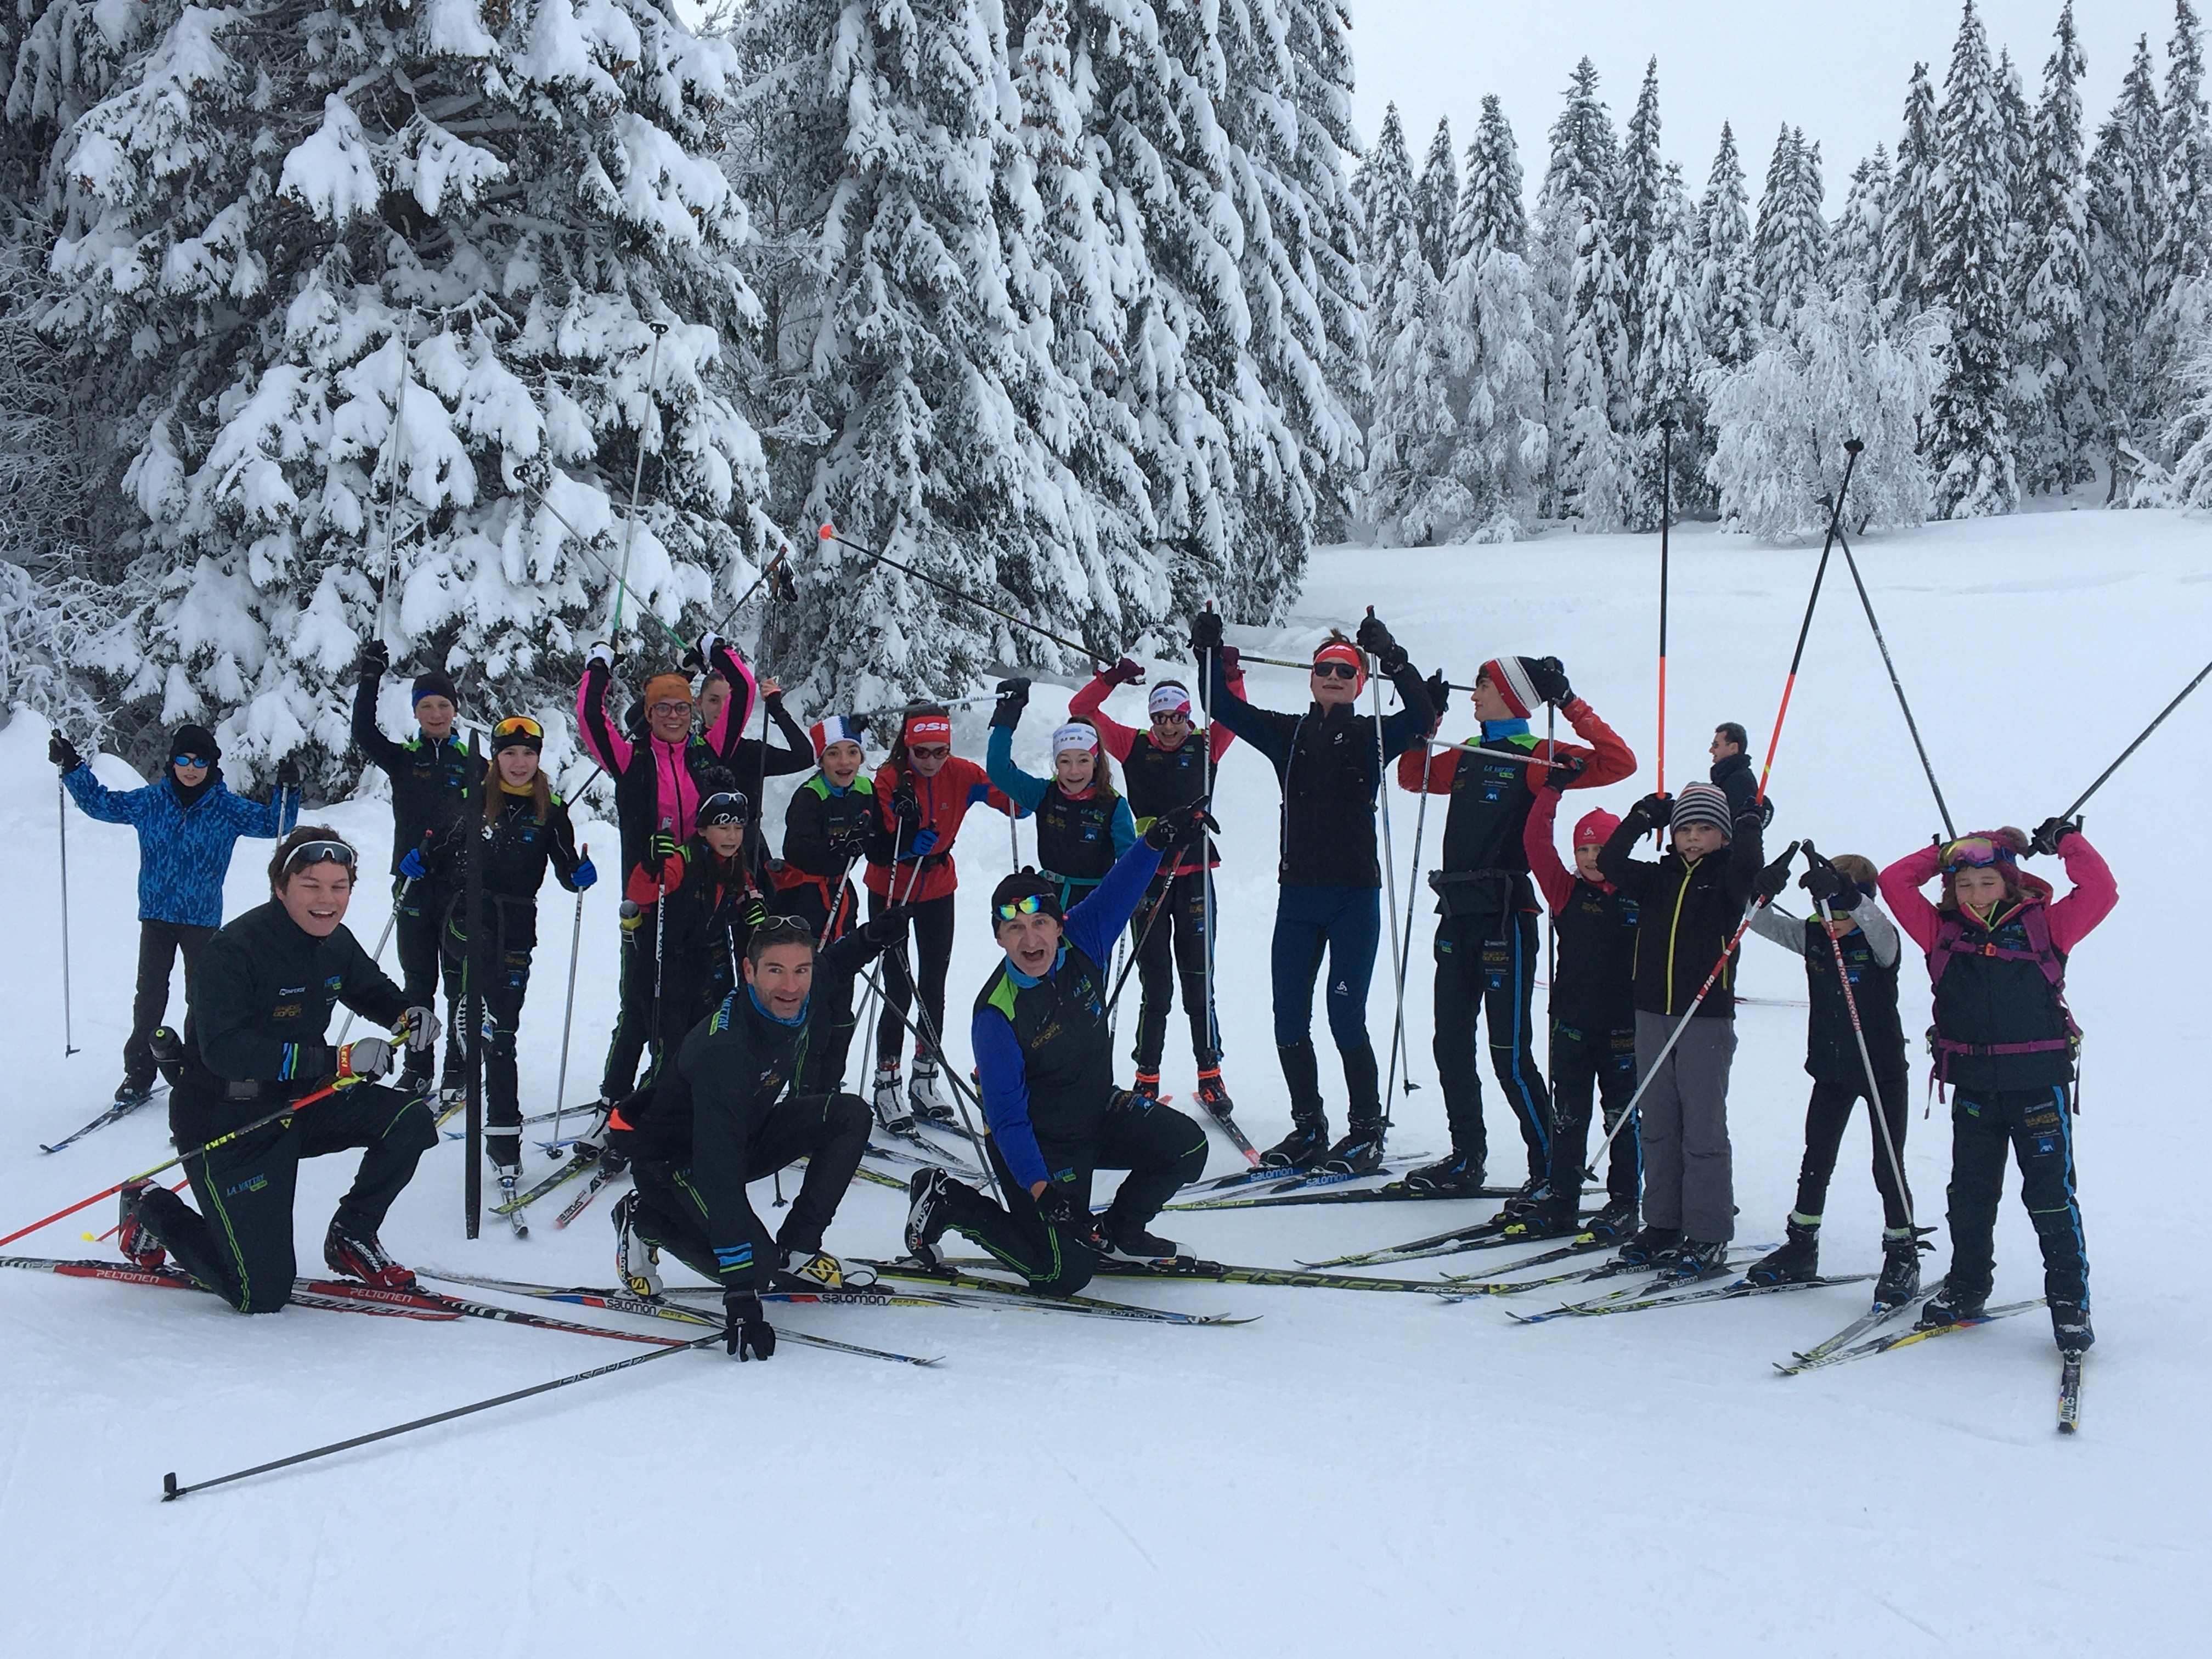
<point x="925" y="1215"/>
<point x="1614" y="1223"/>
<point x="1653" y="1247"/>
<point x="1548" y="1218"/>
<point x="1305" y="1146"/>
<point x="134" y="1091"/>
<point x="134" y="1234"/>
<point x="1948" y="1307"/>
<point x="1360" y="1151"/>
<point x="1308" y="1141"/>
<point x="1900" y="1270"/>
<point x="1459" y="1175"/>
<point x="1533" y="1191"/>
<point x="1698" y="1259"/>
<point x="1126" y="1244"/>
<point x="2069" y="1325"/>
<point x="1797" y="1260"/>
<point x="1212" y="1095"/>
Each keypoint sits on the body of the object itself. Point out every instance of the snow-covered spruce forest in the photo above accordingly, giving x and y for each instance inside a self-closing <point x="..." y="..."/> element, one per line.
<point x="318" y="321"/>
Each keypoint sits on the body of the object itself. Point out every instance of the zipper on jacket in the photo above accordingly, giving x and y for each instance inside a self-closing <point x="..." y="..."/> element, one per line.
<point x="1674" y="930"/>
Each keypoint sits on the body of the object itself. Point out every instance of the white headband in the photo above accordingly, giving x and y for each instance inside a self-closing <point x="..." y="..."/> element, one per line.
<point x="1168" y="700"/>
<point x="1073" y="735"/>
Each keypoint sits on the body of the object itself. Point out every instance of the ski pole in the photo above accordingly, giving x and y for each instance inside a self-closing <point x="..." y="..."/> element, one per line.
<point x="1152" y="915"/>
<point x="1589" y="1168"/>
<point x="1896" y="685"/>
<point x="1666" y="517"/>
<point x="69" y="1016"/>
<point x="1851" y="447"/>
<point x="398" y="443"/>
<point x="1858" y="1035"/>
<point x="172" y="1489"/>
<point x="399" y="899"/>
<point x="1206" y="670"/>
<point x="2138" y="743"/>
<point x="828" y="533"/>
<point x="1389" y="876"/>
<point x="923" y="1030"/>
<point x="1412" y="892"/>
<point x="568" y="1014"/>
<point x="1513" y="755"/>
<point x="636" y="482"/>
<point x="1550" y="917"/>
<point x="224" y="1139"/>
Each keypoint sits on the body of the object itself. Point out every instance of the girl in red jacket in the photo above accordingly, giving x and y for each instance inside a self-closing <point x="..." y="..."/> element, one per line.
<point x="922" y="793"/>
<point x="1997" y="944"/>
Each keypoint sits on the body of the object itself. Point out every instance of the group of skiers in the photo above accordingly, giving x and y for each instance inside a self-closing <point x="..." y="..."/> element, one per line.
<point x="740" y="972"/>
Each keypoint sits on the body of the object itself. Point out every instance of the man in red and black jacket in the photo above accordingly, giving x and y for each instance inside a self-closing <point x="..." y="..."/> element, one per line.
<point x="1486" y="947"/>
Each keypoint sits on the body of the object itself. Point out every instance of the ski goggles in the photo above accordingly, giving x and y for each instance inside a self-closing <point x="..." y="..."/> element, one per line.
<point x="727" y="806"/>
<point x="1975" y="853"/>
<point x="519" y="726"/>
<point x="317" y="852"/>
<point x="200" y="761"/>
<point x="1027" y="905"/>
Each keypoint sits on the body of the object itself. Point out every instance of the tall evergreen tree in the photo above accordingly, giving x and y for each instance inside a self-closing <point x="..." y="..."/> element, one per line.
<point x="1855" y="246"/>
<point x="1908" y="229"/>
<point x="1579" y="181"/>
<point x="2129" y="211"/>
<point x="2187" y="143"/>
<point x="1671" y="359"/>
<point x="1788" y="249"/>
<point x="2054" y="336"/>
<point x="1492" y="212"/>
<point x="1435" y="199"/>
<point x="1636" y="207"/>
<point x="1595" y="461"/>
<point x="1728" y="295"/>
<point x="1410" y="433"/>
<point x="1970" y="440"/>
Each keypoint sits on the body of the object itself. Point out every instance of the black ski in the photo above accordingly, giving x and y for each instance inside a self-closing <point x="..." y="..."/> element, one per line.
<point x="976" y="1290"/>
<point x="1648" y="1295"/>
<point x="120" y="1109"/>
<point x="1324" y="1189"/>
<point x="1667" y="1296"/>
<point x="1905" y="1339"/>
<point x="2069" y="1391"/>
<point x="1499" y="1232"/>
<point x="574" y="1167"/>
<point x="1186" y="1267"/>
<point x="1880" y="1314"/>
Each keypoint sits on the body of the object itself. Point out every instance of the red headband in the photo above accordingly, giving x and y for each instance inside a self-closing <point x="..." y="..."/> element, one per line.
<point x="929" y="728"/>
<point x="1340" y="651"/>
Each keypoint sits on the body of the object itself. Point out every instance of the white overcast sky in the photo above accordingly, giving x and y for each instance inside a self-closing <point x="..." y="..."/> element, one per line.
<point x="1839" y="71"/>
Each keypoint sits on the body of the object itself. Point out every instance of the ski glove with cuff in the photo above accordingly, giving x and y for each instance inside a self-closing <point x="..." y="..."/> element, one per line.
<point x="924" y="845"/>
<point x="1124" y="672"/>
<point x="583" y="875"/>
<point x="63" y="753"/>
<point x="421" y="1025"/>
<point x="412" y="866"/>
<point x="887" y="929"/>
<point x="1566" y="767"/>
<point x="1828" y="884"/>
<point x="2051" y="832"/>
<point x="1014" y="697"/>
<point x="364" y="1060"/>
<point x="1374" y="640"/>
<point x="749" y="1336"/>
<point x="1172" y="831"/>
<point x="1654" y="812"/>
<point x="1206" y="632"/>
<point x="374" y="660"/>
<point x="1055" y="1205"/>
<point x="1776" y="876"/>
<point x="1549" y="677"/>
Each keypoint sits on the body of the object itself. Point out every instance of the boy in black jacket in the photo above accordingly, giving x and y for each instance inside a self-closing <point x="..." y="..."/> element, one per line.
<point x="1689" y="906"/>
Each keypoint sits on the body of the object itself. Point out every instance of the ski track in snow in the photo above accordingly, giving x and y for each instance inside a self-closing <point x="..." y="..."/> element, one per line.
<point x="1355" y="1472"/>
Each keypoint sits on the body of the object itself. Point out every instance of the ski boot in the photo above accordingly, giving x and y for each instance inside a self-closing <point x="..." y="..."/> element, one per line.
<point x="1796" y="1261"/>
<point x="1948" y="1307"/>
<point x="926" y="1195"/>
<point x="134" y="1091"/>
<point x="2069" y="1325"/>
<point x="1698" y="1259"/>
<point x="451" y="1100"/>
<point x="1126" y="1244"/>
<point x="1360" y="1151"/>
<point x="1900" y="1270"/>
<point x="1535" y="1190"/>
<point x="1460" y="1175"/>
<point x="637" y="1258"/>
<point x="1653" y="1247"/>
<point x="1614" y="1223"/>
<point x="1550" y="1217"/>
<point x="1306" y="1145"/>
<point x="507" y="1172"/>
<point x="1145" y="1087"/>
<point x="924" y="1098"/>
<point x="889" y="1100"/>
<point x="1212" y="1095"/>
<point x="806" y="1269"/>
<point x="415" y="1084"/>
<point x="134" y="1234"/>
<point x="593" y="1146"/>
<point x="361" y="1256"/>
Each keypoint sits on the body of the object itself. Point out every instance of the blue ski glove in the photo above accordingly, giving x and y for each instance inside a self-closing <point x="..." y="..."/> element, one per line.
<point x="583" y="875"/>
<point x="412" y="866"/>
<point x="924" y="845"/>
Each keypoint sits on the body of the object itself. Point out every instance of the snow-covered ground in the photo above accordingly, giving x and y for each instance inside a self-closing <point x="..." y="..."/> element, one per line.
<point x="1351" y="1474"/>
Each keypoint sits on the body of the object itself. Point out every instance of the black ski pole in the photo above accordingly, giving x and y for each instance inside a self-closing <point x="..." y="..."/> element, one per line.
<point x="2138" y="743"/>
<point x="1851" y="448"/>
<point x="1088" y="653"/>
<point x="472" y="1008"/>
<point x="69" y="1019"/>
<point x="1896" y="685"/>
<point x="171" y="1489"/>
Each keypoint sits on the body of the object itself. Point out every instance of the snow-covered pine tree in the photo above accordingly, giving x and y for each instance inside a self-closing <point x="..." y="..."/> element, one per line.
<point x="1780" y="422"/>
<point x="1408" y="493"/>
<point x="2054" y="449"/>
<point x="287" y="229"/>
<point x="1635" y="207"/>
<point x="1970" y="441"/>
<point x="1855" y="246"/>
<point x="1789" y="248"/>
<point x="2187" y="143"/>
<point x="2190" y="434"/>
<point x="1908" y="226"/>
<point x="1435" y="199"/>
<point x="1671" y="361"/>
<point x="1728" y="296"/>
<point x="1501" y="443"/>
<point x="1579" y="179"/>
<point x="1595" y="454"/>
<point x="2128" y="212"/>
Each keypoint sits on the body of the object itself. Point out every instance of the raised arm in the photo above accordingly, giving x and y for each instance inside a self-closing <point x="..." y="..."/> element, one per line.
<point x="602" y="742"/>
<point x="1901" y="883"/>
<point x="795" y="753"/>
<point x="1023" y="787"/>
<point x="2093" y="896"/>
<point x="1095" y="924"/>
<point x="1425" y="771"/>
<point x="1632" y="875"/>
<point x="1006" y="1088"/>
<point x="97" y="801"/>
<point x="1403" y="732"/>
<point x="1607" y="759"/>
<point x="738" y="712"/>
<point x="1555" y="879"/>
<point x="368" y="736"/>
<point x="1777" y="925"/>
<point x="1089" y="704"/>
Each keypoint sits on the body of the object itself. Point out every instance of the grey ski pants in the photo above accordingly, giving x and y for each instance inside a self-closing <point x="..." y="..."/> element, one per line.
<point x="1689" y="1179"/>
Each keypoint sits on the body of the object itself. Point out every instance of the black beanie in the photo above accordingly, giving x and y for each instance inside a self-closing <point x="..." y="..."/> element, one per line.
<point x="191" y="739"/>
<point x="1026" y="883"/>
<point x="434" y="683"/>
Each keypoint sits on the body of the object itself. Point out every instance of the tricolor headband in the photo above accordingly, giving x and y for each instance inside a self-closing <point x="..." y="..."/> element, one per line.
<point x="1074" y="735"/>
<point x="1168" y="698"/>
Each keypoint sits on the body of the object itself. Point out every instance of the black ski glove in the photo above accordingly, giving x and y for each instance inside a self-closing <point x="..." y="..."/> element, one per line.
<point x="1550" y="679"/>
<point x="1828" y="884"/>
<point x="1055" y="1205"/>
<point x="1439" y="690"/>
<point x="2051" y="832"/>
<point x="1654" y="812"/>
<point x="1124" y="672"/>
<point x="905" y="808"/>
<point x="754" y="912"/>
<point x="749" y="1336"/>
<point x="374" y="661"/>
<point x="1206" y="632"/>
<point x="63" y="753"/>
<point x="1014" y="697"/>
<point x="889" y="928"/>
<point x="288" y="774"/>
<point x="1374" y="640"/>
<point x="1567" y="765"/>
<point x="1184" y="826"/>
<point x="662" y="847"/>
<point x="1776" y="876"/>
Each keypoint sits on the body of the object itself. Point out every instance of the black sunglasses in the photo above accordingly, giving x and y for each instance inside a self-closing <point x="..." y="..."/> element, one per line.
<point x="1339" y="671"/>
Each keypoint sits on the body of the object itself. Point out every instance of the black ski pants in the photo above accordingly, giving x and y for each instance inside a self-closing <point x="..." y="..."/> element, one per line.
<point x="501" y="969"/>
<point x="239" y="1242"/>
<point x="1173" y="945"/>
<point x="1829" y="1110"/>
<point x="418" y="928"/>
<point x="1486" y="966"/>
<point x="635" y="1014"/>
<point x="932" y="929"/>
<point x="1583" y="1062"/>
<point x="159" y="945"/>
<point x="827" y="1130"/>
<point x="1162" y="1150"/>
<point x="2037" y="1126"/>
